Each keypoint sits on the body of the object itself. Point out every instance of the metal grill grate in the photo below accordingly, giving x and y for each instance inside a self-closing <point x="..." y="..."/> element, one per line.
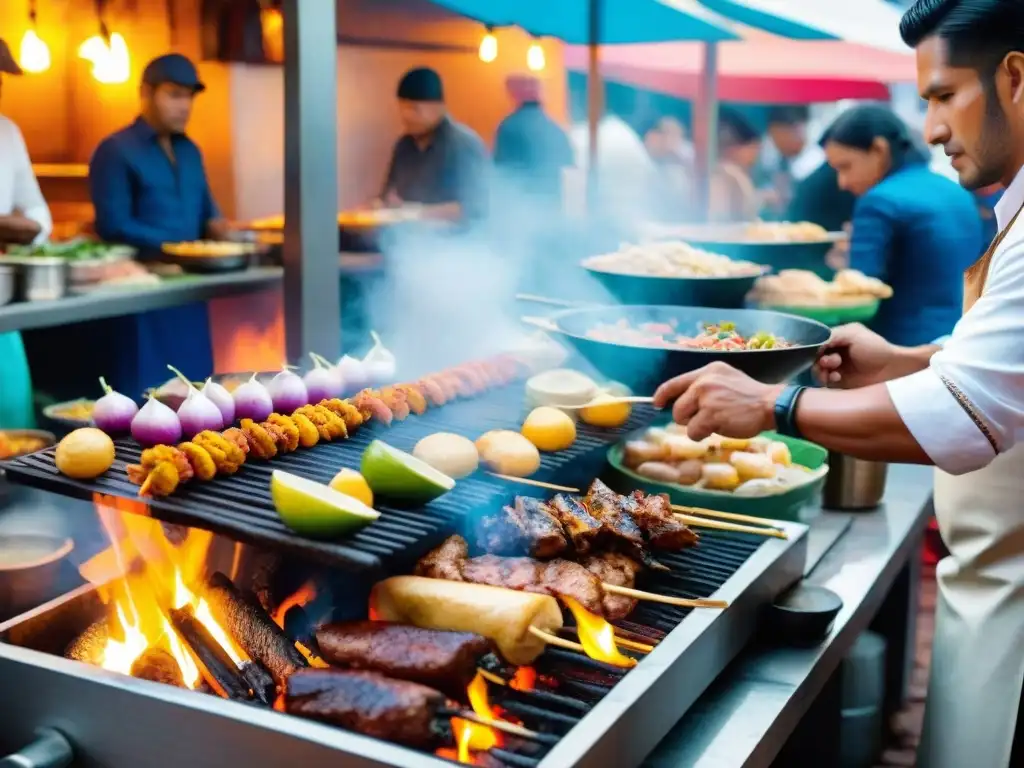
<point x="240" y="506"/>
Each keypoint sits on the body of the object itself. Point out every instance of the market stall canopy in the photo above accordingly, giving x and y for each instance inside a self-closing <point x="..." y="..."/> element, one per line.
<point x="761" y="68"/>
<point x="621" y="21"/>
<point x="874" y="23"/>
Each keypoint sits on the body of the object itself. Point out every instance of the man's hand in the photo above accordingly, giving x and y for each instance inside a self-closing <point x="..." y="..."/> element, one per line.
<point x="856" y="357"/>
<point x="219" y="229"/>
<point x="18" y="229"/>
<point x="719" y="399"/>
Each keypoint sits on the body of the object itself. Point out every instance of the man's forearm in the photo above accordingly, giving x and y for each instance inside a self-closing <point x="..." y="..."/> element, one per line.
<point x="18" y="230"/>
<point x="858" y="422"/>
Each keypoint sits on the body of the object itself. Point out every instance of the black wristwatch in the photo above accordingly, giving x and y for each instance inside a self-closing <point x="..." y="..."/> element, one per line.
<point x="785" y="411"/>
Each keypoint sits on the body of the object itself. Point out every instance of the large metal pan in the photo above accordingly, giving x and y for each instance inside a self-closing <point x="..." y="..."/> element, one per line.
<point x="642" y="369"/>
<point x="775" y="254"/>
<point x="719" y="292"/>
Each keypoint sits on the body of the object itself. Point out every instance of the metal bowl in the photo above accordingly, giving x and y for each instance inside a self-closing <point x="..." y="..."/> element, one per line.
<point x="40" y="278"/>
<point x="29" y="569"/>
<point x="778" y="255"/>
<point x="7" y="275"/>
<point x="210" y="265"/>
<point x="642" y="369"/>
<point x="719" y="292"/>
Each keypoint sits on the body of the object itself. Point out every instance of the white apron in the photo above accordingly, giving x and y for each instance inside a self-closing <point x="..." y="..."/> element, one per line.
<point x="977" y="667"/>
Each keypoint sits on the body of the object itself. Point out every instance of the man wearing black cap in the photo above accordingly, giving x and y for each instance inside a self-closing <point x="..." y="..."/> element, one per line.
<point x="149" y="187"/>
<point x="438" y="163"/>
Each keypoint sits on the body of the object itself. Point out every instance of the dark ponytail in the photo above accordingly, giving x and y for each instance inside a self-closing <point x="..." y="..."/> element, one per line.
<point x="858" y="128"/>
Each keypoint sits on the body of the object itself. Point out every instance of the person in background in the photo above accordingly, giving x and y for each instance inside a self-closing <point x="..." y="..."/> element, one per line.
<point x="819" y="199"/>
<point x="958" y="405"/>
<point x="437" y="163"/>
<point x="787" y="158"/>
<point x="24" y="219"/>
<point x="531" y="149"/>
<point x="667" y="146"/>
<point x="149" y="187"/>
<point x="912" y="228"/>
<point x="734" y="197"/>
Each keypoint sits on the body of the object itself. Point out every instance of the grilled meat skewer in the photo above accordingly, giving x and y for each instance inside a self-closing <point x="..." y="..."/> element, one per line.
<point x="526" y="525"/>
<point x="653" y="513"/>
<point x="582" y="528"/>
<point x="446" y="661"/>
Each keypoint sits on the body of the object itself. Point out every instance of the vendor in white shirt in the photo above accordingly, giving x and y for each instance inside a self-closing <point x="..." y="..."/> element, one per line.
<point x="959" y="407"/>
<point x="24" y="219"/>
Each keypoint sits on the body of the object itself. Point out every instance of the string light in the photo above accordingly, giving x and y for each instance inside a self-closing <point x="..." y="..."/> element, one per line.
<point x="108" y="53"/>
<point x="34" y="55"/>
<point x="489" y="47"/>
<point x="535" y="57"/>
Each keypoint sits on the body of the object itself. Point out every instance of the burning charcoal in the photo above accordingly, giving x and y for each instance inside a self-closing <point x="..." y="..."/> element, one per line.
<point x="158" y="666"/>
<point x="89" y="645"/>
<point x="265" y="566"/>
<point x="253" y="629"/>
<point x="216" y="665"/>
<point x="176" y="534"/>
<point x="299" y="627"/>
<point x="259" y="680"/>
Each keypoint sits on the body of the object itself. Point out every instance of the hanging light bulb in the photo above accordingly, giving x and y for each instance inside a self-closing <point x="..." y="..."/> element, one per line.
<point x="111" y="63"/>
<point x="535" y="57"/>
<point x="34" y="56"/>
<point x="489" y="47"/>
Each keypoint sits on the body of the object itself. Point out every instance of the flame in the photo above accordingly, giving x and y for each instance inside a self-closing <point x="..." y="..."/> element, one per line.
<point x="525" y="679"/>
<point x="138" y="596"/>
<point x="302" y="596"/>
<point x="597" y="636"/>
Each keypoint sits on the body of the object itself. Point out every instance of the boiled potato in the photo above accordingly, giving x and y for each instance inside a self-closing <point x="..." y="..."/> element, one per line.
<point x="690" y="472"/>
<point x="659" y="471"/>
<point x="508" y="453"/>
<point x="84" y="454"/>
<point x="779" y="453"/>
<point x="446" y="452"/>
<point x="682" y="448"/>
<point x="636" y="452"/>
<point x="549" y="429"/>
<point x="720" y="477"/>
<point x="752" y="466"/>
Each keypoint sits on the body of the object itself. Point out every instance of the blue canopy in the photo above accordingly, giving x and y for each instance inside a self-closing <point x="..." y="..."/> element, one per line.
<point x="622" y="21"/>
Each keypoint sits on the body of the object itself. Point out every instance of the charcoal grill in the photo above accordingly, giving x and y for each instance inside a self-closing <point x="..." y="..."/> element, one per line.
<point x="609" y="718"/>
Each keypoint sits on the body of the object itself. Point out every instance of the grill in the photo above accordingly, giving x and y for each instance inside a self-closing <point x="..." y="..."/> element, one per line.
<point x="590" y="713"/>
<point x="240" y="506"/>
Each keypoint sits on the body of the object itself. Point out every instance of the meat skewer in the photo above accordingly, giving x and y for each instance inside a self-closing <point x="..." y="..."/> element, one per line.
<point x="446" y="661"/>
<point x="372" y="704"/>
<point x="525" y="525"/>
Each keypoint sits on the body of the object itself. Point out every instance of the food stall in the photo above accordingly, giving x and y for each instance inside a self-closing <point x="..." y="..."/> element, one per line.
<point x="265" y="549"/>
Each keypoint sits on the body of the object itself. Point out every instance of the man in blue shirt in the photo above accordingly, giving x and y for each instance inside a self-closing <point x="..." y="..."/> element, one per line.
<point x="149" y="187"/>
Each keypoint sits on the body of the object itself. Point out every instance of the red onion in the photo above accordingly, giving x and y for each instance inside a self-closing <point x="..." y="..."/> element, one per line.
<point x="113" y="413"/>
<point x="352" y="372"/>
<point x="198" y="413"/>
<point x="379" y="363"/>
<point x="323" y="382"/>
<point x="220" y="397"/>
<point x="288" y="392"/>
<point x="253" y="401"/>
<point x="156" y="424"/>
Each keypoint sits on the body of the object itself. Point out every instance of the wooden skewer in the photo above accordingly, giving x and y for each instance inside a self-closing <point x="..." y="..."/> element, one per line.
<point x="491" y="677"/>
<point x="736" y="518"/>
<point x="561" y="642"/>
<point x="535" y="483"/>
<point x="599" y="403"/>
<point x="622" y="642"/>
<point x="499" y="725"/>
<point x="700" y="522"/>
<point x="681" y="602"/>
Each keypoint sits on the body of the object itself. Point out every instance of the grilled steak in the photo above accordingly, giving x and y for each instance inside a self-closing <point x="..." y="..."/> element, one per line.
<point x="654" y="516"/>
<point x="620" y="570"/>
<point x="526" y="526"/>
<point x="446" y="661"/>
<point x="368" y="703"/>
<point x="582" y="528"/>
<point x="557" y="578"/>
<point x="446" y="561"/>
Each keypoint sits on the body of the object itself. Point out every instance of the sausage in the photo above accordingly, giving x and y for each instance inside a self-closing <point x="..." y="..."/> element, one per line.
<point x="503" y="615"/>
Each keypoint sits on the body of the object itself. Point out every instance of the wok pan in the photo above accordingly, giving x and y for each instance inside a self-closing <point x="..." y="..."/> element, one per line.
<point x="642" y="369"/>
<point x="721" y="292"/>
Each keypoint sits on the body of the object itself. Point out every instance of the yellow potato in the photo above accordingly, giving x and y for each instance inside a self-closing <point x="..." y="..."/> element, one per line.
<point x="508" y="453"/>
<point x="720" y="477"/>
<point x="605" y="412"/>
<point x="85" y="454"/>
<point x="682" y="448"/>
<point x="549" y="429"/>
<point x="752" y="466"/>
<point x="636" y="452"/>
<point x="779" y="453"/>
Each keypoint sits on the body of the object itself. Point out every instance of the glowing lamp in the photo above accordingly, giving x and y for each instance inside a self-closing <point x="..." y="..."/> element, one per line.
<point x="34" y="54"/>
<point x="489" y="48"/>
<point x="110" y="61"/>
<point x="535" y="57"/>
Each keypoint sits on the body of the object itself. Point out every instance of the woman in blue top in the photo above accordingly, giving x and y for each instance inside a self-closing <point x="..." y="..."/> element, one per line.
<point x="912" y="228"/>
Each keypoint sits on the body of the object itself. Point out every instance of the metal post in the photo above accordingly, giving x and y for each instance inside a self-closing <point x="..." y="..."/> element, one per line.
<point x="595" y="95"/>
<point x="707" y="114"/>
<point x="312" y="295"/>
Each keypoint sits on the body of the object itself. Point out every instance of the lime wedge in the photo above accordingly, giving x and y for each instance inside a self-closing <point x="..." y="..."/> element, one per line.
<point x="315" y="510"/>
<point x="400" y="475"/>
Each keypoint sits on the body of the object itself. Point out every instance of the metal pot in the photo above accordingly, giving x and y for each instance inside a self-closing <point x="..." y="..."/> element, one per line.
<point x="6" y="284"/>
<point x="853" y="484"/>
<point x="43" y="278"/>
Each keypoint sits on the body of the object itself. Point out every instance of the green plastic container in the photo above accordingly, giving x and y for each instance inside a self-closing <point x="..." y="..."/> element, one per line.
<point x="831" y="316"/>
<point x="777" y="506"/>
